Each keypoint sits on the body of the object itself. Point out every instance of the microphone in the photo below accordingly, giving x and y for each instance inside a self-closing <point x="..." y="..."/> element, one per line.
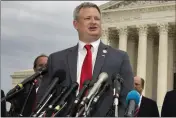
<point x="79" y="97"/>
<point x="64" y="98"/>
<point x="19" y="86"/>
<point x="132" y="100"/>
<point x="52" y="104"/>
<point x="59" y="76"/>
<point x="101" y="79"/>
<point x="118" y="81"/>
<point x="103" y="90"/>
<point x="58" y="97"/>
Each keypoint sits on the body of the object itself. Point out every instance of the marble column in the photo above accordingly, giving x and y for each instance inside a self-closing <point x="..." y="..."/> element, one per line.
<point x="162" y="63"/>
<point x="149" y="67"/>
<point x="142" y="52"/>
<point x="123" y="34"/>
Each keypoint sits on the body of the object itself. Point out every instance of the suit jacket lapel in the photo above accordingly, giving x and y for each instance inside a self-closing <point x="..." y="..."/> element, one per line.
<point x="101" y="55"/>
<point x="72" y="62"/>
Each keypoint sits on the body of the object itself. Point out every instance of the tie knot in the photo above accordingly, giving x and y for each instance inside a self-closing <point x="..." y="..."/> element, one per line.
<point x="88" y="46"/>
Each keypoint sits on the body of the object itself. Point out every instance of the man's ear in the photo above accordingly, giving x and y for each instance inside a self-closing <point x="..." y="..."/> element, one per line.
<point x="75" y="24"/>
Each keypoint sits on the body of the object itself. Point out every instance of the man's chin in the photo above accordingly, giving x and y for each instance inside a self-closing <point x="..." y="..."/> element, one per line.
<point x="94" y="34"/>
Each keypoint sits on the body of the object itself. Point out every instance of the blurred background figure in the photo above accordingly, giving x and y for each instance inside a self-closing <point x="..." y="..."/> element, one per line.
<point x="18" y="101"/>
<point x="169" y="104"/>
<point x="3" y="105"/>
<point x="146" y="107"/>
<point x="40" y="62"/>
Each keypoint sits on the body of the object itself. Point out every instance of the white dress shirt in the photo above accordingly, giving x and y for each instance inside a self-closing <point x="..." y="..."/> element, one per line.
<point x="82" y="54"/>
<point x="140" y="101"/>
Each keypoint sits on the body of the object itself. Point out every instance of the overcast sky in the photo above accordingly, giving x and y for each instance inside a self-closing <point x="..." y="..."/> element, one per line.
<point x="31" y="28"/>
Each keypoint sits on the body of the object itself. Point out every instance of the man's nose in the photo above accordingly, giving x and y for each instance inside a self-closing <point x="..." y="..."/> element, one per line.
<point x="93" y="20"/>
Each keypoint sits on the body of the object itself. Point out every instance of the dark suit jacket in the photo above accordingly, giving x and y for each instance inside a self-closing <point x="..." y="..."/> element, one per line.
<point x="18" y="102"/>
<point x="148" y="108"/>
<point x="3" y="105"/>
<point x="169" y="105"/>
<point x="114" y="61"/>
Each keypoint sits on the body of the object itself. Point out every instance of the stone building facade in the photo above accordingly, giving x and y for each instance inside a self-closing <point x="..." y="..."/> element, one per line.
<point x="146" y="31"/>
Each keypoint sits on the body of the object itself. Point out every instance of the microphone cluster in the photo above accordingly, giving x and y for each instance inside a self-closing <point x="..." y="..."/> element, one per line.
<point x="84" y="104"/>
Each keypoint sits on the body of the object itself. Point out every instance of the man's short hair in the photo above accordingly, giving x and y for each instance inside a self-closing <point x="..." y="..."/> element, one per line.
<point x="36" y="59"/>
<point x="142" y="82"/>
<point x="84" y="5"/>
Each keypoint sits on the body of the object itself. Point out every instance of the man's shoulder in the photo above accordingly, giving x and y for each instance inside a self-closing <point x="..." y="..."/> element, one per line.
<point x="62" y="52"/>
<point x="148" y="99"/>
<point x="117" y="51"/>
<point x="171" y="93"/>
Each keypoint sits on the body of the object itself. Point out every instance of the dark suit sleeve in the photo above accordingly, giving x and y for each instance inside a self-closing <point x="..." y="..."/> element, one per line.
<point x="127" y="75"/>
<point x="3" y="105"/>
<point x="164" y="110"/>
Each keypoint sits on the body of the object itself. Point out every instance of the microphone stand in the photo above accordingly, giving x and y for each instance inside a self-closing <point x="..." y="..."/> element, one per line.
<point x="9" y="97"/>
<point x="26" y="100"/>
<point x="81" y="111"/>
<point x="44" y="104"/>
<point x="57" y="113"/>
<point x="116" y="103"/>
<point x="89" y="107"/>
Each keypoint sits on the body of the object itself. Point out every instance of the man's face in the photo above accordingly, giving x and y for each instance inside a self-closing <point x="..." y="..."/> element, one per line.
<point x="41" y="62"/>
<point x="137" y="84"/>
<point x="88" y="23"/>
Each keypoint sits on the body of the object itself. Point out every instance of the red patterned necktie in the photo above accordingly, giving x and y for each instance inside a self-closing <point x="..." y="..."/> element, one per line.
<point x="86" y="71"/>
<point x="136" y="112"/>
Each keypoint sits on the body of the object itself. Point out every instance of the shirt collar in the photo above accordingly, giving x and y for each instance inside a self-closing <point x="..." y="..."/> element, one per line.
<point x="94" y="44"/>
<point x="140" y="101"/>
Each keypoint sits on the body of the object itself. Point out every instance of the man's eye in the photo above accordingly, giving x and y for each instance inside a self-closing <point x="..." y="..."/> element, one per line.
<point x="87" y="18"/>
<point x="97" y="18"/>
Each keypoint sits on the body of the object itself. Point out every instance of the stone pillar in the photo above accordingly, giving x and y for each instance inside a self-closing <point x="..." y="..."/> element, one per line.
<point x="123" y="38"/>
<point x="170" y="77"/>
<point x="142" y="52"/>
<point x="132" y="52"/>
<point x="149" y="67"/>
<point x="105" y="36"/>
<point x="162" y="63"/>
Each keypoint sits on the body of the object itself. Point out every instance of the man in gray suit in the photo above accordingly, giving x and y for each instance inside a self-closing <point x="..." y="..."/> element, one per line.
<point x="99" y="58"/>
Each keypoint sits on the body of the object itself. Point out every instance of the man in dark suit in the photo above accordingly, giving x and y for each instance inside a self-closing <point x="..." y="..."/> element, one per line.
<point x="18" y="102"/>
<point x="146" y="107"/>
<point x="39" y="62"/>
<point x="90" y="57"/>
<point x="169" y="104"/>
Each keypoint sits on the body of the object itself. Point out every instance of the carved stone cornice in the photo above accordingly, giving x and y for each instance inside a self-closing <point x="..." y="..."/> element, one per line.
<point x="142" y="29"/>
<point x="135" y="4"/>
<point x="162" y="27"/>
<point x="108" y="19"/>
<point x="162" y="7"/>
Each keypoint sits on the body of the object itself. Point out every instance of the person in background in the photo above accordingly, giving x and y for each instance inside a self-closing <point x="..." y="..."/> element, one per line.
<point x="3" y="105"/>
<point x="39" y="62"/>
<point x="18" y="102"/>
<point x="169" y="104"/>
<point x="146" y="107"/>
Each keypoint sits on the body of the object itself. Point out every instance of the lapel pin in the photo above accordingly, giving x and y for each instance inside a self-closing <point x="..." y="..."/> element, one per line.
<point x="104" y="51"/>
<point x="103" y="55"/>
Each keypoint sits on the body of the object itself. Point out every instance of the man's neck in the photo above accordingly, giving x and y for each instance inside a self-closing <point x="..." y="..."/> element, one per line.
<point x="89" y="40"/>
